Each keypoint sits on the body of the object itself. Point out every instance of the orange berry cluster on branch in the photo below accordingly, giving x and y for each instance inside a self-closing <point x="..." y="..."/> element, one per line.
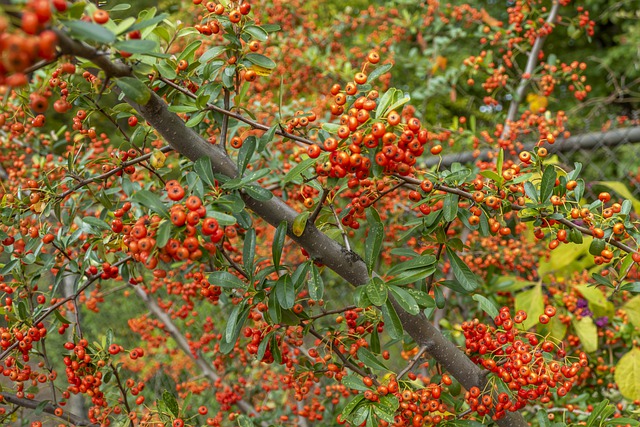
<point x="517" y="358"/>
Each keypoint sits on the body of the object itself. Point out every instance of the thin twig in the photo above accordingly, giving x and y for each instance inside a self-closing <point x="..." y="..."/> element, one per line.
<point x="48" y="408"/>
<point x="532" y="62"/>
<point x="114" y="171"/>
<point x="231" y="262"/>
<point x="316" y="211"/>
<point x="346" y="362"/>
<point x="225" y="120"/>
<point x="237" y="116"/>
<point x="123" y="392"/>
<point x="413" y="362"/>
<point x="347" y="245"/>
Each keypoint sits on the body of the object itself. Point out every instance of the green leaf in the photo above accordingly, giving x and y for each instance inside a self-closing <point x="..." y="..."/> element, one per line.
<point x="530" y="191"/>
<point x="392" y="321"/>
<point x="376" y="291"/>
<point x="374" y="341"/>
<point x="369" y="359"/>
<point x="405" y="300"/>
<point x="246" y="152"/>
<point x="96" y="222"/>
<point x="89" y="31"/>
<point x="61" y="318"/>
<point x="256" y="32"/>
<point x="196" y="119"/>
<point x="211" y="53"/>
<point x="285" y="292"/>
<point x="204" y="170"/>
<point x="422" y="298"/>
<point x="260" y="60"/>
<point x="375" y="236"/>
<point x="316" y="284"/>
<point x="134" y="89"/>
<point x="278" y="243"/>
<point x="492" y="176"/>
<point x="378" y="72"/>
<point x="231" y="322"/>
<point x="258" y="193"/>
<point x="224" y="279"/>
<point x="266" y="138"/>
<point x="298" y="170"/>
<point x="299" y="223"/>
<point x="244" y="421"/>
<point x="351" y="406"/>
<point x="415" y="263"/>
<point x="384" y="101"/>
<point x="168" y="72"/>
<point x="411" y="276"/>
<point x="148" y="22"/>
<point x="171" y="403"/>
<point x="450" y="207"/>
<point x="150" y="200"/>
<point x="145" y="47"/>
<point x="164" y="233"/>
<point x="188" y="51"/>
<point x="500" y="161"/>
<point x="223" y="218"/>
<point x="235" y="323"/>
<point x="548" y="183"/>
<point x="532" y="302"/>
<point x="486" y="305"/>
<point x="249" y="251"/>
<point x="462" y="272"/>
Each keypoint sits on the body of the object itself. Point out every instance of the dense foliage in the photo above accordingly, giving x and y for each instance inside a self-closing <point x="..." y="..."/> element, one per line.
<point x="239" y="214"/>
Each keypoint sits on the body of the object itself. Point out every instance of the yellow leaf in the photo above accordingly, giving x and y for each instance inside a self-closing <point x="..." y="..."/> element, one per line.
<point x="532" y="302"/>
<point x="439" y="64"/>
<point x="587" y="331"/>
<point x="300" y="223"/>
<point x="261" y="71"/>
<point x="632" y="308"/>
<point x="598" y="302"/>
<point x="623" y="191"/>
<point x="566" y="259"/>
<point x="488" y="19"/>
<point x="157" y="159"/>
<point x="536" y="102"/>
<point x="627" y="374"/>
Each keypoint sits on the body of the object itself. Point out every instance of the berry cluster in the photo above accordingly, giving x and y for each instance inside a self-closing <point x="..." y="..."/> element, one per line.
<point x="19" y="51"/>
<point x="518" y="358"/>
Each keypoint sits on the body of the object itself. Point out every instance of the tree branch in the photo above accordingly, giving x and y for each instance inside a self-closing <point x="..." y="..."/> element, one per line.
<point x="48" y="408"/>
<point x="532" y="62"/>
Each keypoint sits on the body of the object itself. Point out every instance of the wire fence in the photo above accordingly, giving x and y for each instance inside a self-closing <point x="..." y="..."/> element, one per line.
<point x="612" y="155"/>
